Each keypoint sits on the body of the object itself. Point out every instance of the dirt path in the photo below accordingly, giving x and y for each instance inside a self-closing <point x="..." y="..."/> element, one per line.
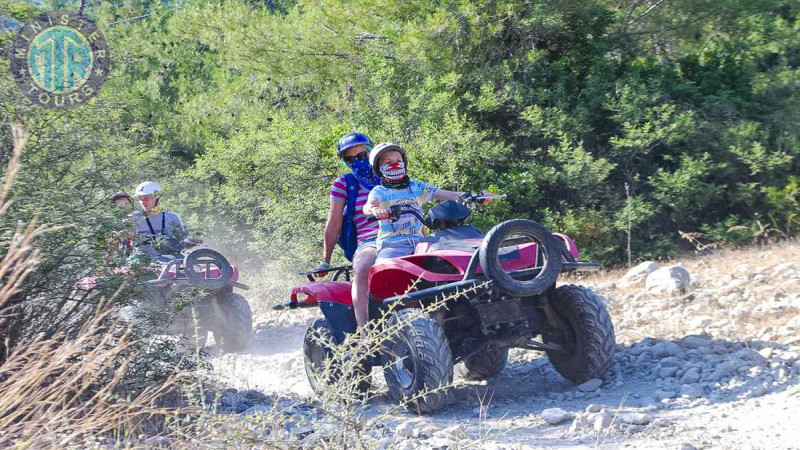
<point x="671" y="389"/>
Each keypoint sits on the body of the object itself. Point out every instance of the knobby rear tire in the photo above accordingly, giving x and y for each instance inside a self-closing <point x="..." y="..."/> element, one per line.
<point x="234" y="328"/>
<point x="590" y="334"/>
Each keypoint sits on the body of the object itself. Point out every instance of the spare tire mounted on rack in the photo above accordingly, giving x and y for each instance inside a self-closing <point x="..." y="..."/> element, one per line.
<point x="549" y="249"/>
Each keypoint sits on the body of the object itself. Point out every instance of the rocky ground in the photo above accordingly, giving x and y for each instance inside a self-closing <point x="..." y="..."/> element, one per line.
<point x="707" y="357"/>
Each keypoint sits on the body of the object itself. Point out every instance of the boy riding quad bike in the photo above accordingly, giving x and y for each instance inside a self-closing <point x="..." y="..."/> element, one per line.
<point x="496" y="291"/>
<point x="189" y="295"/>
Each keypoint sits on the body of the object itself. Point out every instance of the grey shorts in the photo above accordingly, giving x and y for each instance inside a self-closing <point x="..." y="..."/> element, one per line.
<point x="371" y="242"/>
<point x="397" y="248"/>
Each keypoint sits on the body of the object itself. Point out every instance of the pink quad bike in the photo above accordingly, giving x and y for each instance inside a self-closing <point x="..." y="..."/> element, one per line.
<point x="190" y="296"/>
<point x="499" y="291"/>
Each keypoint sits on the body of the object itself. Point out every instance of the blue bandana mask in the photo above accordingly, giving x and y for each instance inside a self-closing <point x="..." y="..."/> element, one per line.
<point x="363" y="172"/>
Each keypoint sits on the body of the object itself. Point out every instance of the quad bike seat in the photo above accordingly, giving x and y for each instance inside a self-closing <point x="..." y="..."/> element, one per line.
<point x="464" y="238"/>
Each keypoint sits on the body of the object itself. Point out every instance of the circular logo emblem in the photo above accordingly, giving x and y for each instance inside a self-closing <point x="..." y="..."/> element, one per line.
<point x="60" y="59"/>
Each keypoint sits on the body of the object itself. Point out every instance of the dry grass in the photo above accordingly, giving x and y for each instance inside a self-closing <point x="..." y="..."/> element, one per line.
<point x="56" y="391"/>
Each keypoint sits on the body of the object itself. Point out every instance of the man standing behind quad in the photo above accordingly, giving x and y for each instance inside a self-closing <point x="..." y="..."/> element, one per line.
<point x="347" y="223"/>
<point x="158" y="232"/>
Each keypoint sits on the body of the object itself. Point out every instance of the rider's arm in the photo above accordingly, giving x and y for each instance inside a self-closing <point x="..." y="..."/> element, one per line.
<point x="373" y="206"/>
<point x="332" y="229"/>
<point x="443" y="195"/>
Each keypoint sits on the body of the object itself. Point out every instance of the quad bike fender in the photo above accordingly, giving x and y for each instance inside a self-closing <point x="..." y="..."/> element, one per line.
<point x="314" y="292"/>
<point x="340" y="317"/>
<point x="569" y="243"/>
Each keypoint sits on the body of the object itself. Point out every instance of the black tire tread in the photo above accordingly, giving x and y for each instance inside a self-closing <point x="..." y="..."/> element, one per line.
<point x="592" y="324"/>
<point x="234" y="330"/>
<point x="433" y="361"/>
<point x="486" y="364"/>
<point x="324" y="337"/>
<point x="318" y="334"/>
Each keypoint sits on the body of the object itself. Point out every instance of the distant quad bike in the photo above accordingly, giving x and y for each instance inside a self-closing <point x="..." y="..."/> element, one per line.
<point x="499" y="290"/>
<point x="217" y="310"/>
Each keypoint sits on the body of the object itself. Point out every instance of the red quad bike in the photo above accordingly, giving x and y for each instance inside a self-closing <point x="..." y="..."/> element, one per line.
<point x="499" y="290"/>
<point x="218" y="309"/>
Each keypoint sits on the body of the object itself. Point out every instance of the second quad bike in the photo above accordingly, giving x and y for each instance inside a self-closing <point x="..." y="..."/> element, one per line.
<point x="495" y="291"/>
<point x="205" y="280"/>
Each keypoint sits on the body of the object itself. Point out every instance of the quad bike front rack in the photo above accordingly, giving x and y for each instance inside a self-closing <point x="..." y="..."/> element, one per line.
<point x="179" y="267"/>
<point x="471" y="280"/>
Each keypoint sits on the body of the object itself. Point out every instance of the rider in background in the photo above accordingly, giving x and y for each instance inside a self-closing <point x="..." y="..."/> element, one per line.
<point x="119" y="242"/>
<point x="158" y="232"/>
<point x="344" y="222"/>
<point x="399" y="236"/>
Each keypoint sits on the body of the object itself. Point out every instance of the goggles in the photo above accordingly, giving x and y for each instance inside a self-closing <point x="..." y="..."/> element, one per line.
<point x="359" y="157"/>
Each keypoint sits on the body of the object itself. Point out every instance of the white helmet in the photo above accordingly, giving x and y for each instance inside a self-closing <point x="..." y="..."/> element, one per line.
<point x="148" y="188"/>
<point x="380" y="149"/>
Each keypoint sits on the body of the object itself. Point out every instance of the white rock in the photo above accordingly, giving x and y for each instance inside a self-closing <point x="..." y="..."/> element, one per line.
<point x="590" y="385"/>
<point x="602" y="421"/>
<point x="639" y="273"/>
<point x="457" y="432"/>
<point x="554" y="416"/>
<point x="385" y="443"/>
<point x="781" y="268"/>
<point x="662" y="422"/>
<point x="581" y="422"/>
<point x="408" y="429"/>
<point x="667" y="372"/>
<point x="691" y="391"/>
<point x="439" y="443"/>
<point x="665" y="348"/>
<point x="691" y="376"/>
<point x="635" y="418"/>
<point x="662" y="394"/>
<point x="594" y="408"/>
<point x="672" y="361"/>
<point x="794" y="323"/>
<point x="673" y="279"/>
<point x="724" y="369"/>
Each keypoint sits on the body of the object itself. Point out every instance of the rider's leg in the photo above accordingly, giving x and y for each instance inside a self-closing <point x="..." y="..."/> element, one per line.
<point x="362" y="262"/>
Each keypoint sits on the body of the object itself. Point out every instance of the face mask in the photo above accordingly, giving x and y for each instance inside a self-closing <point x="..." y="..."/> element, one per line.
<point x="363" y="172"/>
<point x="395" y="171"/>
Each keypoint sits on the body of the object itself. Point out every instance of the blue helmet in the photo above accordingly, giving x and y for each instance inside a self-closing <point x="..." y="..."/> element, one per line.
<point x="351" y="140"/>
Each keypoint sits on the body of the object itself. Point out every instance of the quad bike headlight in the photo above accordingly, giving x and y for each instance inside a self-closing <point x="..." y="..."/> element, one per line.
<point x="301" y="296"/>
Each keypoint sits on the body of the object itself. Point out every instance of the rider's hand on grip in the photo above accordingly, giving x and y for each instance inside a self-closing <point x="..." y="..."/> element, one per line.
<point x="485" y="197"/>
<point x="380" y="213"/>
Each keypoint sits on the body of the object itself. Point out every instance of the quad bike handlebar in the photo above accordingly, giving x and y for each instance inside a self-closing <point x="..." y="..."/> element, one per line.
<point x="338" y="271"/>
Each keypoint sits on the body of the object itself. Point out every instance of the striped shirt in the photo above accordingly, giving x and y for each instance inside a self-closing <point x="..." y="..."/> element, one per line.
<point x="339" y="194"/>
